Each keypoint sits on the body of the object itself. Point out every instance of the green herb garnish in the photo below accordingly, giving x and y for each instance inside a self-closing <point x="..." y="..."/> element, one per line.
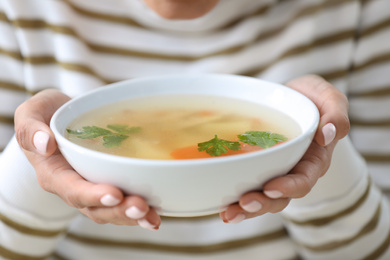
<point x="111" y="138"/>
<point x="261" y="138"/>
<point x="216" y="146"/>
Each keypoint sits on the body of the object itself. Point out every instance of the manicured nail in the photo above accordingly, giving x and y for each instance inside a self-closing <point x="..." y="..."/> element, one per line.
<point x="237" y="219"/>
<point x="329" y="132"/>
<point x="134" y="213"/>
<point x="41" y="139"/>
<point x="144" y="223"/>
<point x="273" y="194"/>
<point x="109" y="200"/>
<point x="252" y="206"/>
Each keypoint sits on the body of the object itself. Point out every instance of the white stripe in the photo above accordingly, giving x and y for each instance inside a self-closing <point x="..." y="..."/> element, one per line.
<point x="223" y="13"/>
<point x="11" y="70"/>
<point x="10" y="100"/>
<point x="370" y="109"/>
<point x="341" y="228"/>
<point x="380" y="173"/>
<point x="7" y="40"/>
<point x="372" y="46"/>
<point x="21" y="197"/>
<point x="158" y="42"/>
<point x="72" y="83"/>
<point x="26" y="244"/>
<point x="333" y="57"/>
<point x="375" y="12"/>
<point x="6" y="132"/>
<point x="181" y="232"/>
<point x="363" y="246"/>
<point x="73" y="250"/>
<point x="375" y="77"/>
<point x="346" y="187"/>
<point x="371" y="140"/>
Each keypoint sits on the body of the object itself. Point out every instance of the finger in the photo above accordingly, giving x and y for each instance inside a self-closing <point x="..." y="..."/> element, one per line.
<point x="32" y="120"/>
<point x="132" y="211"/>
<point x="331" y="103"/>
<point x="151" y="221"/>
<point x="302" y="178"/>
<point x="252" y="204"/>
<point x="55" y="175"/>
<point x="257" y="203"/>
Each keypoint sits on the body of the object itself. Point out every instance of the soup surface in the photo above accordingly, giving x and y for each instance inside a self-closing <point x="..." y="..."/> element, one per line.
<point x="172" y="127"/>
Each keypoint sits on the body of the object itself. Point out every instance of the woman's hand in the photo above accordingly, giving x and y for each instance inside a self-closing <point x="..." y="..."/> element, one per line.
<point x="102" y="203"/>
<point x="334" y="125"/>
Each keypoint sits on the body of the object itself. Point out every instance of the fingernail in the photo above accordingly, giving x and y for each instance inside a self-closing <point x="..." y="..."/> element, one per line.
<point x="273" y="194"/>
<point x="252" y="206"/>
<point x="329" y="132"/>
<point x="134" y="213"/>
<point x="237" y="219"/>
<point x="144" y="223"/>
<point x="109" y="200"/>
<point x="41" y="139"/>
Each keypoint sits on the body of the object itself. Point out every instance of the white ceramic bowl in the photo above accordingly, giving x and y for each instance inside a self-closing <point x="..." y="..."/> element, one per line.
<point x="197" y="187"/>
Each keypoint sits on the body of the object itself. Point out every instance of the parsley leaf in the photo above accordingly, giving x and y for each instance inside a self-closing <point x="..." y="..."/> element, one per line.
<point x="261" y="138"/>
<point x="113" y="140"/>
<point x="216" y="146"/>
<point x="124" y="129"/>
<point x="110" y="138"/>
<point x="90" y="132"/>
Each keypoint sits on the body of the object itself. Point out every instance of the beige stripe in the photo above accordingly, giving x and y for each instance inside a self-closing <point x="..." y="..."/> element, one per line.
<point x="130" y="22"/>
<point x="6" y="120"/>
<point x="382" y="248"/>
<point x="383" y="91"/>
<point x="357" y="122"/>
<point x="102" y="16"/>
<point x="113" y="50"/>
<point x="8" y="254"/>
<point x="57" y="256"/>
<point x="212" y="248"/>
<point x="37" y="24"/>
<point x="45" y="60"/>
<point x="84" y="69"/>
<point x="12" y="54"/>
<point x="12" y="86"/>
<point x="333" y="75"/>
<point x="369" y="227"/>
<point x="375" y="28"/>
<point x="381" y="58"/>
<point x="258" y="12"/>
<point x="28" y="230"/>
<point x="18" y="88"/>
<point x="381" y="158"/>
<point x="330" y="39"/>
<point x="326" y="220"/>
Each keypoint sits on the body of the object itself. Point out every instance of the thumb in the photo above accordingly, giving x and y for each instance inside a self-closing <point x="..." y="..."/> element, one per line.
<point x="331" y="103"/>
<point x="32" y="119"/>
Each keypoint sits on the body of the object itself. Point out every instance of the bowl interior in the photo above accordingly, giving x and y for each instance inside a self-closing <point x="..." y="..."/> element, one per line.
<point x="283" y="99"/>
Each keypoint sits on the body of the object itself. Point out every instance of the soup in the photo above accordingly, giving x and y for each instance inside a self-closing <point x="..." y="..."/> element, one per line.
<point x="181" y="127"/>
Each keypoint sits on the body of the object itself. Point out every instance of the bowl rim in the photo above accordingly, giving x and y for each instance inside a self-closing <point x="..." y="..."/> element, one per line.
<point x="62" y="141"/>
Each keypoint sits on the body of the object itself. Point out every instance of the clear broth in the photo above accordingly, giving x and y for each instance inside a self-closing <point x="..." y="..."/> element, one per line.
<point x="172" y="122"/>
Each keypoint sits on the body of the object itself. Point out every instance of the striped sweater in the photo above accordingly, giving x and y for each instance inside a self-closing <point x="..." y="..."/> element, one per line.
<point x="79" y="45"/>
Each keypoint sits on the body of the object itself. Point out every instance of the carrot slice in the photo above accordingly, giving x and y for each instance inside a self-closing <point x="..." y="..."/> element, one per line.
<point x="189" y="152"/>
<point x="192" y="152"/>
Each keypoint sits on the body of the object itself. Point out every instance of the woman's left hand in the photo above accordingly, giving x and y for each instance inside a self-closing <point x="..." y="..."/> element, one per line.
<point x="334" y="125"/>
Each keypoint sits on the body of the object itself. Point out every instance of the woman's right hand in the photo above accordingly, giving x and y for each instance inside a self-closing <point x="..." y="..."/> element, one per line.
<point x="101" y="203"/>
